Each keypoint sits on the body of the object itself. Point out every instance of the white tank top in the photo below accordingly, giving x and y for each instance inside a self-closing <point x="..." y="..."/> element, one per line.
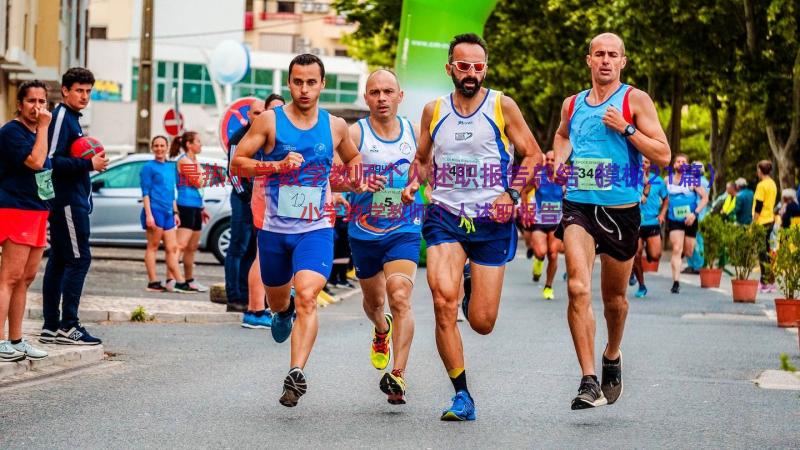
<point x="472" y="156"/>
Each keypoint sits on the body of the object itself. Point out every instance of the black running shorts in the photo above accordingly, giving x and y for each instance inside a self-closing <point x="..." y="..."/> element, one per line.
<point x="615" y="230"/>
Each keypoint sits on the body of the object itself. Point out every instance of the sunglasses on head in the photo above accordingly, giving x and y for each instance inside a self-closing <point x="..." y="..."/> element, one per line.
<point x="463" y="66"/>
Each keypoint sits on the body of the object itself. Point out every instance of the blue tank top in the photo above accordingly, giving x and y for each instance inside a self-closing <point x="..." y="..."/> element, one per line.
<point x="187" y="195"/>
<point x="602" y="159"/>
<point x="295" y="202"/>
<point x="682" y="201"/>
<point x="548" y="202"/>
<point x="652" y="207"/>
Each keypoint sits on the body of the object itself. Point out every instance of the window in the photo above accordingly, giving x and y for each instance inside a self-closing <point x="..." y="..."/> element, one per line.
<point x="125" y="176"/>
<point x="166" y="78"/>
<point x="340" y="52"/>
<point x="256" y="83"/>
<point x="286" y="7"/>
<point x="98" y="32"/>
<point x="197" y="87"/>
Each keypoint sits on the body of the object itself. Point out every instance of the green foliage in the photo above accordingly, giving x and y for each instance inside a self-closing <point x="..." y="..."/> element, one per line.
<point x="786" y="365"/>
<point x="787" y="262"/>
<point x="139" y="314"/>
<point x="713" y="229"/>
<point x="375" y="40"/>
<point x="744" y="243"/>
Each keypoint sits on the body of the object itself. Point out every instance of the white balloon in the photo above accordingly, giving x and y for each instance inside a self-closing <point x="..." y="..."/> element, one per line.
<point x="230" y="62"/>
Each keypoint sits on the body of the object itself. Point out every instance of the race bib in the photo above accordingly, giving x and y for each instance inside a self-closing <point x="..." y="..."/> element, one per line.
<point x="464" y="171"/>
<point x="299" y="202"/>
<point x="681" y="212"/>
<point x="385" y="199"/>
<point x="551" y="207"/>
<point x="44" y="184"/>
<point x="587" y="171"/>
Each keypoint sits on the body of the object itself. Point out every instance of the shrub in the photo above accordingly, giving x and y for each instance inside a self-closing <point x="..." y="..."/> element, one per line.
<point x="713" y="230"/>
<point x="744" y="245"/>
<point x="787" y="262"/>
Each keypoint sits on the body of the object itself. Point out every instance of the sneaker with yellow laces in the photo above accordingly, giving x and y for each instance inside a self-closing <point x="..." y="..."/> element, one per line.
<point x="547" y="293"/>
<point x="538" y="265"/>
<point x="381" y="352"/>
<point x="394" y="386"/>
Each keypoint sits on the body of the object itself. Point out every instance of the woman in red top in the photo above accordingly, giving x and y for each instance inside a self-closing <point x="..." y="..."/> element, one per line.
<point x="25" y="188"/>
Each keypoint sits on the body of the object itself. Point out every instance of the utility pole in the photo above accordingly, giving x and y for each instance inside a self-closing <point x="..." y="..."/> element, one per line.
<point x="144" y="93"/>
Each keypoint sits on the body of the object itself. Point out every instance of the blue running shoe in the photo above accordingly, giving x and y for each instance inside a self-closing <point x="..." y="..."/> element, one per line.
<point x="253" y="321"/>
<point x="632" y="280"/>
<point x="463" y="408"/>
<point x="641" y="292"/>
<point x="282" y="322"/>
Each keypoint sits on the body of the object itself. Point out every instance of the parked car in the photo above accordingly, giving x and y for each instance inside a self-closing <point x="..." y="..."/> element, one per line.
<point x="117" y="201"/>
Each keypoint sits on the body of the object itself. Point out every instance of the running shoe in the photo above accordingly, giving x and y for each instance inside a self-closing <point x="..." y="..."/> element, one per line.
<point x="351" y="274"/>
<point x="10" y="354"/>
<point x="196" y="286"/>
<point x="538" y="265"/>
<point x="76" y="335"/>
<point x="30" y="351"/>
<point x="394" y="386"/>
<point x="183" y="288"/>
<point x="463" y="408"/>
<point x="294" y="386"/>
<point x="611" y="384"/>
<point x="565" y="276"/>
<point x="48" y="336"/>
<point x="690" y="271"/>
<point x="547" y="293"/>
<point x="253" y="321"/>
<point x="155" y="286"/>
<point x="632" y="280"/>
<point x="345" y="285"/>
<point x="529" y="253"/>
<point x="766" y="288"/>
<point x="381" y="352"/>
<point x="282" y="322"/>
<point x="589" y="395"/>
<point x="676" y="287"/>
<point x="169" y="286"/>
<point x="642" y="292"/>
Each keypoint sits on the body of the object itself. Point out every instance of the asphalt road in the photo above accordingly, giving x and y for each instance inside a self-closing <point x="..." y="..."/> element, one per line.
<point x="216" y="386"/>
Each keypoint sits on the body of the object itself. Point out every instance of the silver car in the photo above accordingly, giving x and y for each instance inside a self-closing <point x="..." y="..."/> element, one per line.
<point x="117" y="201"/>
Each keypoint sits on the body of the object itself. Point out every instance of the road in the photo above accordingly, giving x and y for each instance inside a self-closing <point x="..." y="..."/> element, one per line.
<point x="216" y="386"/>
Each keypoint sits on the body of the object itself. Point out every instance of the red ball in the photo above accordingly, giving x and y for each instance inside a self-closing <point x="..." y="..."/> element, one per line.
<point x="86" y="147"/>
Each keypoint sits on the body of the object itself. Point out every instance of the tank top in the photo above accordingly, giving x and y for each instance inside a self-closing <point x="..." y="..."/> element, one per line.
<point x="187" y="195"/>
<point x="603" y="160"/>
<point x="377" y="214"/>
<point x="294" y="202"/>
<point x="682" y="201"/>
<point x="471" y="155"/>
<point x="548" y="197"/>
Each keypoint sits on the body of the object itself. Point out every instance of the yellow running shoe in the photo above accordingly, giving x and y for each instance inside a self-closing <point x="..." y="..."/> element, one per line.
<point x="351" y="275"/>
<point x="547" y="293"/>
<point x="322" y="299"/>
<point x="538" y="265"/>
<point x="328" y="297"/>
<point x="381" y="352"/>
<point x="394" y="386"/>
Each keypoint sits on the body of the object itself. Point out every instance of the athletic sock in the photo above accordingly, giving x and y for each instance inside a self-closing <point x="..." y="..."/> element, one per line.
<point x="547" y="286"/>
<point x="398" y="372"/>
<point x="15" y="342"/>
<point x="459" y="379"/>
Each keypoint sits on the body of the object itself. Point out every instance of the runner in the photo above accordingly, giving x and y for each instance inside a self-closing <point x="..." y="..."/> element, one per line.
<point x="190" y="206"/>
<point x="467" y="134"/>
<point x="25" y="188"/>
<point x="295" y="239"/>
<point x="384" y="239"/>
<point x="70" y="255"/>
<point x="654" y="192"/>
<point x="549" y="196"/>
<point x="606" y="126"/>
<point x="160" y="215"/>
<point x="685" y="201"/>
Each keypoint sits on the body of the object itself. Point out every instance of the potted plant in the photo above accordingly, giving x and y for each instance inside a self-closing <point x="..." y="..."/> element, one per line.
<point x="787" y="271"/>
<point x="713" y="231"/>
<point x="744" y="244"/>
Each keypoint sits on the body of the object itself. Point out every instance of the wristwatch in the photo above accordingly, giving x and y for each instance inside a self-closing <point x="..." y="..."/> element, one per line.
<point x="514" y="194"/>
<point x="629" y="130"/>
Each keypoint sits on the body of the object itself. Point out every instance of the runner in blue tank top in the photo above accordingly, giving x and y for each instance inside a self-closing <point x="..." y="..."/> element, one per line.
<point x="295" y="239"/>
<point x="603" y="132"/>
<point x="654" y="192"/>
<point x="549" y="196"/>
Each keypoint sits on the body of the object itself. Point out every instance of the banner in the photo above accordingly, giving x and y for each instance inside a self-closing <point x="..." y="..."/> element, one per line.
<point x="426" y="29"/>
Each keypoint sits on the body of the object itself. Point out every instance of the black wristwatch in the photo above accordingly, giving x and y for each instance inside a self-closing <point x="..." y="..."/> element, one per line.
<point x="514" y="194"/>
<point x="629" y="130"/>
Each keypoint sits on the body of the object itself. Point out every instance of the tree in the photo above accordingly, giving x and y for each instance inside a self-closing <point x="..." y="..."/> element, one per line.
<point x="375" y="40"/>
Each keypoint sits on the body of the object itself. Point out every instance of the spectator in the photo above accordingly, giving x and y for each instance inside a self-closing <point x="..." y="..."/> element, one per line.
<point x="790" y="209"/>
<point x="729" y="205"/>
<point x="743" y="210"/>
<point x="764" y="215"/>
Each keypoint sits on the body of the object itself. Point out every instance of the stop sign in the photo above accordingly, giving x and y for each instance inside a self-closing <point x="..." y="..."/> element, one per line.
<point x="173" y="123"/>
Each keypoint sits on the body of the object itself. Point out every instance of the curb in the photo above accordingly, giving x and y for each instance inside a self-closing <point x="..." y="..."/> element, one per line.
<point x="61" y="358"/>
<point x="92" y="315"/>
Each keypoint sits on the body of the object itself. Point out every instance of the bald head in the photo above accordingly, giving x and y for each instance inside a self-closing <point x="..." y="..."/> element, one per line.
<point x="383" y="95"/>
<point x="384" y="75"/>
<point x="606" y="40"/>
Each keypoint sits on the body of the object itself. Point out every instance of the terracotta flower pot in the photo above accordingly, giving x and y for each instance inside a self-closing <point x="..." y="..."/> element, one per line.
<point x="744" y="291"/>
<point x="788" y="312"/>
<point x="648" y="266"/>
<point x="710" y="278"/>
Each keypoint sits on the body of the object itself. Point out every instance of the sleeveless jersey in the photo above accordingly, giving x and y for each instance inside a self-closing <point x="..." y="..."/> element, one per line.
<point x="294" y="202"/>
<point x="652" y="207"/>
<point x="471" y="155"/>
<point x="548" y="197"/>
<point x="603" y="160"/>
<point x="380" y="213"/>
<point x="682" y="201"/>
<point x="187" y="195"/>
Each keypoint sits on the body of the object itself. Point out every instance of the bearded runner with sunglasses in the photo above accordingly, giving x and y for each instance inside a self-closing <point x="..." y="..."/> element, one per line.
<point x="608" y="126"/>
<point x="468" y="136"/>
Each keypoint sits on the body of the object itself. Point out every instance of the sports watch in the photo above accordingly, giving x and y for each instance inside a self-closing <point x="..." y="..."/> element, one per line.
<point x="514" y="194"/>
<point x="629" y="130"/>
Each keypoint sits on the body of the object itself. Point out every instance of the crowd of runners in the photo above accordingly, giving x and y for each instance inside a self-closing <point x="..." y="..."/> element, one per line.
<point x="309" y="189"/>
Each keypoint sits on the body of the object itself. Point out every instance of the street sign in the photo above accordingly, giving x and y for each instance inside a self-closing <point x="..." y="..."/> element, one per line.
<point x="173" y="123"/>
<point x="234" y="118"/>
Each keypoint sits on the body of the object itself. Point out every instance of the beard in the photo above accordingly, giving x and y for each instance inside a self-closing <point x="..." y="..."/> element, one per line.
<point x="467" y="92"/>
